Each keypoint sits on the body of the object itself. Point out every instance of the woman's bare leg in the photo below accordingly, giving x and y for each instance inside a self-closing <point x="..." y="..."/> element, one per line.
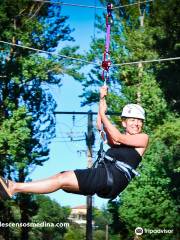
<point x="66" y="180"/>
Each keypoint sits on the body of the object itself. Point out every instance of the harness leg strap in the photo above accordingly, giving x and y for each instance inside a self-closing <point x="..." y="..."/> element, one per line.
<point x="110" y="180"/>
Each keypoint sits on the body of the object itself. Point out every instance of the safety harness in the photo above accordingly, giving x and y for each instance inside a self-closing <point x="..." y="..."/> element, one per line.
<point x="125" y="168"/>
<point x="103" y="158"/>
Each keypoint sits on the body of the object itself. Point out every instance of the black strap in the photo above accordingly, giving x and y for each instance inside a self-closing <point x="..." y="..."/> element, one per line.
<point x="110" y="180"/>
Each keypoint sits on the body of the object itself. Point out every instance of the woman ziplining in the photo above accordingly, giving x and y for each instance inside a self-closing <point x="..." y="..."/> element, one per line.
<point x="117" y="166"/>
<point x="114" y="168"/>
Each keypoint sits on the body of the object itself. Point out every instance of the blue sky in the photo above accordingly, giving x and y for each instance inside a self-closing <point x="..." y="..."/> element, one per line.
<point x="71" y="155"/>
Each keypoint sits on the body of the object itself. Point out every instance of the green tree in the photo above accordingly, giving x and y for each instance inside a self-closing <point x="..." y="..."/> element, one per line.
<point x="101" y="218"/>
<point x="46" y="215"/>
<point x="136" y="35"/>
<point x="165" y="18"/>
<point x="152" y="201"/>
<point x="117" y="225"/>
<point x="75" y="233"/>
<point x="26" y="103"/>
<point x="50" y="212"/>
<point x="99" y="234"/>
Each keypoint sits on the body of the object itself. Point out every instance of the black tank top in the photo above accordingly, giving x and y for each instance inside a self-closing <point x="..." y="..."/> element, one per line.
<point x="125" y="154"/>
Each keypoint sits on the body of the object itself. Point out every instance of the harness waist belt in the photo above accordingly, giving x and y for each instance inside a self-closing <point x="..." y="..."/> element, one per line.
<point x="126" y="168"/>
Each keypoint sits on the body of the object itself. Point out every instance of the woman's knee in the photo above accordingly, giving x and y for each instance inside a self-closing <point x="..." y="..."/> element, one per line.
<point x="67" y="178"/>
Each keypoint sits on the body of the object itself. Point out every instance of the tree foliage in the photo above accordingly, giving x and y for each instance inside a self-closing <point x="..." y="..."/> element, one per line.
<point x="165" y="18"/>
<point x="144" y="32"/>
<point x="50" y="212"/>
<point x="152" y="200"/>
<point x="75" y="233"/>
<point x="45" y="215"/>
<point x="25" y="74"/>
<point x="27" y="122"/>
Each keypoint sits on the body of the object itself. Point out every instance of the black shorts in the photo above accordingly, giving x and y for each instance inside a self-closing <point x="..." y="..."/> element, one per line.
<point x="94" y="181"/>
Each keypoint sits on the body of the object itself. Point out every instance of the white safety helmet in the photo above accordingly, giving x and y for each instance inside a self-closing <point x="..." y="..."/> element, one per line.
<point x="133" y="111"/>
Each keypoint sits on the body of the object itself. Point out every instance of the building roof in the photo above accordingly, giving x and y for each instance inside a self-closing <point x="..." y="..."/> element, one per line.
<point x="80" y="207"/>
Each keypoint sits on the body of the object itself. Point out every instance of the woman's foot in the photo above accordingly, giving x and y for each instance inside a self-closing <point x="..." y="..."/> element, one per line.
<point x="5" y="191"/>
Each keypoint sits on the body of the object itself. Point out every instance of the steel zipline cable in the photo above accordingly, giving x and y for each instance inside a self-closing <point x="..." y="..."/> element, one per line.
<point x="147" y="61"/>
<point x="94" y="63"/>
<point x="91" y="6"/>
<point x="46" y="52"/>
<point x="132" y="4"/>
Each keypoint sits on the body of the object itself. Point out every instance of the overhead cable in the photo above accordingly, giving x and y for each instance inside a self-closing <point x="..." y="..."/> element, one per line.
<point x="69" y="4"/>
<point x="94" y="63"/>
<point x="148" y="61"/>
<point x="131" y="4"/>
<point x="51" y="53"/>
<point x="91" y="6"/>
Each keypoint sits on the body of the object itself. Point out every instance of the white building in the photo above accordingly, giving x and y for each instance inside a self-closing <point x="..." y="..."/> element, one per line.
<point x="78" y="214"/>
